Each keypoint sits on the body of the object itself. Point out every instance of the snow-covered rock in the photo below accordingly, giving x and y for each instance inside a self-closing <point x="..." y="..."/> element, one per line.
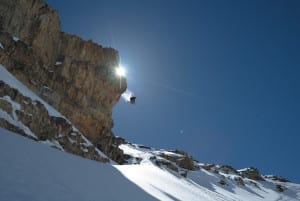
<point x="208" y="182"/>
<point x="25" y="113"/>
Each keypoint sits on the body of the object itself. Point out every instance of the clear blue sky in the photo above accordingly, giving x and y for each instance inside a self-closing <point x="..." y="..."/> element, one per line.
<point x="218" y="79"/>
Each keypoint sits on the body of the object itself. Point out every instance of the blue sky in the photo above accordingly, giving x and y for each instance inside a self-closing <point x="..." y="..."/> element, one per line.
<point x="218" y="79"/>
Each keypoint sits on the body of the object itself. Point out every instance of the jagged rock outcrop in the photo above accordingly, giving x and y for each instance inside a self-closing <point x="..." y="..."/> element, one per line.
<point x="251" y="173"/>
<point x="74" y="76"/>
<point x="175" y="160"/>
<point x="182" y="159"/>
<point x="32" y="119"/>
<point x="277" y="178"/>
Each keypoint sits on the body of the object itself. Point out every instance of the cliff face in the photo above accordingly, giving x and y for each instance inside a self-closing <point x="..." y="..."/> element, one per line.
<point x="74" y="76"/>
<point x="35" y="23"/>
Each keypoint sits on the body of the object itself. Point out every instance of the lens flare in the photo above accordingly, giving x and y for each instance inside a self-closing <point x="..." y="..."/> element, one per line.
<point x="120" y="71"/>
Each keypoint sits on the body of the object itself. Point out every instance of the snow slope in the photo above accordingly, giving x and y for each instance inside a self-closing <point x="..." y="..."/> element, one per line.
<point x="30" y="171"/>
<point x="201" y="184"/>
<point x="9" y="79"/>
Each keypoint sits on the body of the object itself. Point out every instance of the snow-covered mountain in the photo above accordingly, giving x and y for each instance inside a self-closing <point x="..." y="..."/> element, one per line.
<point x="158" y="173"/>
<point x="58" y="91"/>
<point x="33" y="171"/>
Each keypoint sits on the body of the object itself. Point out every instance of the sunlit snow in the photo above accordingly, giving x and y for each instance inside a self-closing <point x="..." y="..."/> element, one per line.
<point x="33" y="172"/>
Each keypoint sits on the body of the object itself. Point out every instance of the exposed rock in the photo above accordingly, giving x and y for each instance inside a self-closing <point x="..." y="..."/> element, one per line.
<point x="251" y="173"/>
<point x="170" y="157"/>
<point x="13" y="128"/>
<point x="207" y="166"/>
<point x="227" y="169"/>
<point x="223" y="182"/>
<point x="240" y="181"/>
<point x="183" y="173"/>
<point x="35" y="117"/>
<point x="5" y="106"/>
<point x="74" y="76"/>
<point x="35" y="23"/>
<point x="280" y="188"/>
<point x="254" y="184"/>
<point x="143" y="146"/>
<point x="183" y="160"/>
<point x="187" y="163"/>
<point x="276" y="178"/>
<point x="167" y="164"/>
<point x="180" y="152"/>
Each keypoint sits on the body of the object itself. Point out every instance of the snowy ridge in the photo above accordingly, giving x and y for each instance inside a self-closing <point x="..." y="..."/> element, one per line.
<point x="216" y="183"/>
<point x="14" y="119"/>
<point x="9" y="79"/>
<point x="40" y="173"/>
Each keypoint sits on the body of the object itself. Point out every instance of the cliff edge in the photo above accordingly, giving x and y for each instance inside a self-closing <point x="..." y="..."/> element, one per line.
<point x="74" y="76"/>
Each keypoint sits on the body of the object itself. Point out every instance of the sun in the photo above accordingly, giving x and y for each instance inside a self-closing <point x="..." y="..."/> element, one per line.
<point x="120" y="71"/>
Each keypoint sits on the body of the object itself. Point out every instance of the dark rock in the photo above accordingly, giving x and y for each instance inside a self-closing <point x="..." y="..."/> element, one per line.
<point x="180" y="152"/>
<point x="280" y="188"/>
<point x="144" y="147"/>
<point x="222" y="182"/>
<point x="187" y="163"/>
<point x="227" y="169"/>
<point x="239" y="181"/>
<point x="6" y="106"/>
<point x="255" y="184"/>
<point x="183" y="173"/>
<point x="277" y="178"/>
<point x="207" y="166"/>
<point x="167" y="164"/>
<point x="251" y="173"/>
<point x="11" y="127"/>
<point x="183" y="161"/>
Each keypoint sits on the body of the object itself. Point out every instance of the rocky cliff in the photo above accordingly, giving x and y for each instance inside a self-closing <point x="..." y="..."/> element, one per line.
<point x="74" y="76"/>
<point x="30" y="117"/>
